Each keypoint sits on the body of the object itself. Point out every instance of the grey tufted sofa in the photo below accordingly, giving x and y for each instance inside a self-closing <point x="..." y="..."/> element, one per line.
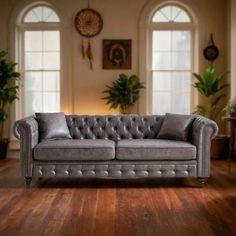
<point x="122" y="146"/>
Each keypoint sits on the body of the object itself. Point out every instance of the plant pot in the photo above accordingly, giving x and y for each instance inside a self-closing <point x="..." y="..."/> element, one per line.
<point x="3" y="150"/>
<point x="220" y="147"/>
<point x="233" y="114"/>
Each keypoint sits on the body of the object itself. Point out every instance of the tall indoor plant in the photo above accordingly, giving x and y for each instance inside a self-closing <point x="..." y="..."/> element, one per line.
<point x="123" y="93"/>
<point x="8" y="94"/>
<point x="211" y="87"/>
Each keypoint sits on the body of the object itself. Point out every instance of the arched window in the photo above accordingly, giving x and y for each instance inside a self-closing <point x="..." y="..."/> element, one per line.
<point x="171" y="14"/>
<point x="170" y="63"/>
<point x="40" y="60"/>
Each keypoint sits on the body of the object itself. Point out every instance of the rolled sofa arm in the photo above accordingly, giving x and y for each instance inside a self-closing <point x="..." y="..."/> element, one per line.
<point x="204" y="130"/>
<point x="27" y="131"/>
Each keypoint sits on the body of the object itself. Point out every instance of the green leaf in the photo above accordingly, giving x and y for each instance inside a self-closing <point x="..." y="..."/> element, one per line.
<point x="200" y="110"/>
<point x="209" y="85"/>
<point x="3" y="53"/>
<point x="123" y="92"/>
<point x="3" y="116"/>
<point x="216" y="99"/>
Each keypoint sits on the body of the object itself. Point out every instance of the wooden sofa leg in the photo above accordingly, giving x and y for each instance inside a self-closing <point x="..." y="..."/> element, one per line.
<point x="201" y="182"/>
<point x="28" y="182"/>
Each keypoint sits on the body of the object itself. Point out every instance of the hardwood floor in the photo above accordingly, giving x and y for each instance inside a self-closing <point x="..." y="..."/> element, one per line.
<point x="121" y="207"/>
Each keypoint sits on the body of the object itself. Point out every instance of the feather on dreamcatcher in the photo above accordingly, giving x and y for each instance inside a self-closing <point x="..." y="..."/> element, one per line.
<point x="88" y="23"/>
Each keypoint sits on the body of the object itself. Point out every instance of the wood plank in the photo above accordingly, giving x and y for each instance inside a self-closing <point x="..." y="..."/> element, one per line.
<point x="142" y="207"/>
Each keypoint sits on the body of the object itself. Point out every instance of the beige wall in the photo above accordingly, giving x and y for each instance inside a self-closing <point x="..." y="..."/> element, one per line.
<point x="233" y="48"/>
<point x="121" y="21"/>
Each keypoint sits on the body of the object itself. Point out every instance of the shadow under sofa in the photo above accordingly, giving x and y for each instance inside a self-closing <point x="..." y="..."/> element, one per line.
<point x="116" y="146"/>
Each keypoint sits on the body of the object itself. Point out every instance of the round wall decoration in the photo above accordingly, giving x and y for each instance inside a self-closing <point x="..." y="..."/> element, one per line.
<point x="211" y="52"/>
<point x="88" y="22"/>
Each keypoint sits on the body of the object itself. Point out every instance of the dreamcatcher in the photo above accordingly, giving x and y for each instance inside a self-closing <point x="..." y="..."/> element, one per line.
<point x="88" y="23"/>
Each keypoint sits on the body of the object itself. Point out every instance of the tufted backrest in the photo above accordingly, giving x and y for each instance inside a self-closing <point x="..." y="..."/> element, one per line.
<point x="114" y="127"/>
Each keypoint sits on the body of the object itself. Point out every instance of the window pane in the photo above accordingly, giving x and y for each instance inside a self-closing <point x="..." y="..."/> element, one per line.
<point x="166" y="11"/>
<point x="46" y="13"/>
<point x="171" y="81"/>
<point x="33" y="102"/>
<point x="171" y="14"/>
<point x="181" y="61"/>
<point x="161" y="102"/>
<point x="53" y="17"/>
<point x="161" y="41"/>
<point x="33" y="81"/>
<point x="38" y="11"/>
<point x="41" y="14"/>
<point x="33" y="61"/>
<point x="161" y="81"/>
<point x="181" y="82"/>
<point x="182" y="17"/>
<point x="171" y="77"/>
<point x="179" y="103"/>
<point x="51" y="81"/>
<point x="159" y="17"/>
<point x="51" y="102"/>
<point x="31" y="17"/>
<point x="181" y="40"/>
<point x="33" y="41"/>
<point x="51" y="41"/>
<point x="51" y="61"/>
<point x="175" y="11"/>
<point x="161" y="61"/>
<point x="42" y="71"/>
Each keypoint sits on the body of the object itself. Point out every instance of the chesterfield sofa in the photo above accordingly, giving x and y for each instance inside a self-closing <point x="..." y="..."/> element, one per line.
<point x="115" y="146"/>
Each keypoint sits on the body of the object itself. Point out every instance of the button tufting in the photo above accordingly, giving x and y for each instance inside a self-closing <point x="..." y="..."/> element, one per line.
<point x="92" y="170"/>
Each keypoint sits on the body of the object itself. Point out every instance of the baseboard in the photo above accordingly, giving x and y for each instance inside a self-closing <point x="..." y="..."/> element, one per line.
<point x="14" y="154"/>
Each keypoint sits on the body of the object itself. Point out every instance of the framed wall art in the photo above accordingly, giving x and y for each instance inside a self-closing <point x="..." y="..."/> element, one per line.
<point x="117" y="54"/>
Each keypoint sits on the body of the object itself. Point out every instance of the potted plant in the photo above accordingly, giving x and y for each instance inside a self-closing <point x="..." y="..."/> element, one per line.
<point x="212" y="88"/>
<point x="231" y="109"/>
<point x="123" y="93"/>
<point x="8" y="94"/>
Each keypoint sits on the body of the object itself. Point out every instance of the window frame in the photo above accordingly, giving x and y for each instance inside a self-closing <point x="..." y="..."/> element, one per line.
<point x="35" y="26"/>
<point x="153" y="26"/>
<point x="146" y="26"/>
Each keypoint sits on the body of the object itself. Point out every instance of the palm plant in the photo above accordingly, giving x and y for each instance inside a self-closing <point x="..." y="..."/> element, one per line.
<point x="123" y="93"/>
<point x="8" y="89"/>
<point x="210" y="86"/>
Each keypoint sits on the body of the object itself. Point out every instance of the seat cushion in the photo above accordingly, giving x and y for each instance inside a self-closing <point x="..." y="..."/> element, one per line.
<point x="75" y="149"/>
<point x="154" y="149"/>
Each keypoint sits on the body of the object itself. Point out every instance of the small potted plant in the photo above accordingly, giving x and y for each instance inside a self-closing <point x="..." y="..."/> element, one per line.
<point x="123" y="93"/>
<point x="8" y="94"/>
<point x="231" y="109"/>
